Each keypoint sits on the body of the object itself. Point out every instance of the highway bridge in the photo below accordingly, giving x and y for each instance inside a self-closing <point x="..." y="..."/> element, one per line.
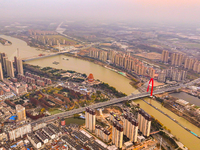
<point x="111" y="102"/>
<point x="48" y="55"/>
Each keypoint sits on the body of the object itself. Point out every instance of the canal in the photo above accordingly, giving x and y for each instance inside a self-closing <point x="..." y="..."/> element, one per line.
<point x="191" y="99"/>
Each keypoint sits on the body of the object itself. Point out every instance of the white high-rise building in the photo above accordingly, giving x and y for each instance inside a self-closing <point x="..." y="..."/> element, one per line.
<point x="20" y="69"/>
<point x="9" y="68"/>
<point x="1" y="72"/>
<point x="90" y="119"/>
<point x="117" y="134"/>
<point x="144" y="121"/>
<point x="130" y="126"/>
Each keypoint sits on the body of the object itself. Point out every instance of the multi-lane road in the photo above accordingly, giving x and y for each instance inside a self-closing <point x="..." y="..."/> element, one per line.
<point x="110" y="102"/>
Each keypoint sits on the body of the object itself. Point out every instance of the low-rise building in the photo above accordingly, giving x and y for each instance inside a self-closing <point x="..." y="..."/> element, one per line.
<point x="41" y="136"/>
<point x="34" y="140"/>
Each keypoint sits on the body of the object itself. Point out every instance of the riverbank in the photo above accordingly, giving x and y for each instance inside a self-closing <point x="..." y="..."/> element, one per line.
<point x="172" y="119"/>
<point x="134" y="82"/>
<point x="181" y="114"/>
<point x="170" y="102"/>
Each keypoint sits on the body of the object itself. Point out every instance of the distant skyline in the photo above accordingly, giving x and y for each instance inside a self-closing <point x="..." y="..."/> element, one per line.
<point x="152" y="11"/>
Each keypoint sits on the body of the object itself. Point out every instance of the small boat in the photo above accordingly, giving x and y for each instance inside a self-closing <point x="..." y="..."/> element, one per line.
<point x="55" y="62"/>
<point x="41" y="54"/>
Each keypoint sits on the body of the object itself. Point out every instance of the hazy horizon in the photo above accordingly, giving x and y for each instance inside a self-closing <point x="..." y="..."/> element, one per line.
<point x="147" y="11"/>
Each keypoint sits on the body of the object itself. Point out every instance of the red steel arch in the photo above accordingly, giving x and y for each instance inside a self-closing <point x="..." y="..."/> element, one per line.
<point x="150" y="82"/>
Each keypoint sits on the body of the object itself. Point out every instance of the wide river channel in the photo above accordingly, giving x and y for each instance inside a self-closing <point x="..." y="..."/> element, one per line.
<point x="120" y="82"/>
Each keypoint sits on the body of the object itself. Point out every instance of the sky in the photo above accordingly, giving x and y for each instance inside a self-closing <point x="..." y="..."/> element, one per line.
<point x="158" y="11"/>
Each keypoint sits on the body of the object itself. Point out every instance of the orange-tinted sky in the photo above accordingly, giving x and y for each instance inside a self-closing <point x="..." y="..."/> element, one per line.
<point x="179" y="11"/>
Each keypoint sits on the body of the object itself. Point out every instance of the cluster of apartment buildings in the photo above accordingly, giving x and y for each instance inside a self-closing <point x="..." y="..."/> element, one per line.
<point x="51" y="40"/>
<point x="129" y="126"/>
<point x="39" y="32"/>
<point x="34" y="79"/>
<point x="179" y="59"/>
<point x="7" y="69"/>
<point x="6" y="66"/>
<point x="123" y="60"/>
<point x="172" y="74"/>
<point x="18" y="88"/>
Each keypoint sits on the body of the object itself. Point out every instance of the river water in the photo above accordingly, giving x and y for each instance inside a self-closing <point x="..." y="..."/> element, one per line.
<point x="118" y="81"/>
<point x="191" y="99"/>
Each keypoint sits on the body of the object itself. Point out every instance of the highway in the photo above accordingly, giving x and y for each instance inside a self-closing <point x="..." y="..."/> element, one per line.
<point x="110" y="102"/>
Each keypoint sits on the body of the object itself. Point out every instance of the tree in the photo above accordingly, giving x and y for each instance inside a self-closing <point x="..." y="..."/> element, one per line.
<point x="98" y="92"/>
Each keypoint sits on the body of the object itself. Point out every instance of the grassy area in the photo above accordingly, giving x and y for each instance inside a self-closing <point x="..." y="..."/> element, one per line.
<point x="74" y="120"/>
<point x="54" y="111"/>
<point x="192" y="45"/>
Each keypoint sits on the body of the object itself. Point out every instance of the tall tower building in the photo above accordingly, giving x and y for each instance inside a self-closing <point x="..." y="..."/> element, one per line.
<point x="4" y="63"/>
<point x="87" y="118"/>
<point x="21" y="113"/>
<point x="189" y="63"/>
<point x="173" y="58"/>
<point x="19" y="65"/>
<point x="9" y="68"/>
<point x="177" y="59"/>
<point x="180" y="59"/>
<point x="195" y="66"/>
<point x="130" y="126"/>
<point x="117" y="134"/>
<point x="15" y="62"/>
<point x="183" y="75"/>
<point x="144" y="122"/>
<point x="165" y="56"/>
<point x="90" y="119"/>
<point x="2" y="55"/>
<point x="1" y="72"/>
<point x="151" y="72"/>
<point x="162" y="76"/>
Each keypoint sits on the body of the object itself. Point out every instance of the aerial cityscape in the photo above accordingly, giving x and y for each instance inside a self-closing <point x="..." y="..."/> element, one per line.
<point x="99" y="75"/>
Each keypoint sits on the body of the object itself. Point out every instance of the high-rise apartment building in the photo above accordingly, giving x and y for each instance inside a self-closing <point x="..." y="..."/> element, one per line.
<point x="151" y="72"/>
<point x="1" y="72"/>
<point x="9" y="68"/>
<point x="130" y="126"/>
<point x="4" y="59"/>
<point x="2" y="55"/>
<point x="144" y="122"/>
<point x="189" y="62"/>
<point x="90" y="119"/>
<point x="176" y="59"/>
<point x="117" y="134"/>
<point x="165" y="56"/>
<point x="21" y="113"/>
<point x="19" y="65"/>
<point x="102" y="133"/>
<point x="162" y="76"/>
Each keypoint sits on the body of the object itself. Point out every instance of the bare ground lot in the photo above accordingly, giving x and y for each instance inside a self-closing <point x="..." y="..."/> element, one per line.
<point x="151" y="55"/>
